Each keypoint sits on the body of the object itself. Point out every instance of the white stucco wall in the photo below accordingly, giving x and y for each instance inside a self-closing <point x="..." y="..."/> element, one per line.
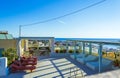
<point x="3" y="66"/>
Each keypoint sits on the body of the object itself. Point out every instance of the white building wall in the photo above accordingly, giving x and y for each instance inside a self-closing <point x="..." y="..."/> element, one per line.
<point x="3" y="66"/>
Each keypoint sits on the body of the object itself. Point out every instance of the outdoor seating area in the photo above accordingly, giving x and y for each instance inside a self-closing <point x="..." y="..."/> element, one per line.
<point x="78" y="55"/>
<point x="79" y="61"/>
<point x="24" y="64"/>
<point x="92" y="62"/>
<point x="59" y="39"/>
<point x="28" y="61"/>
<point x="89" y="58"/>
<point x="53" y="67"/>
<point x="106" y="65"/>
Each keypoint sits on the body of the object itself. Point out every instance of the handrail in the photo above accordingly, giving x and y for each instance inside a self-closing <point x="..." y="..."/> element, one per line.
<point x="75" y="71"/>
<point x="97" y="42"/>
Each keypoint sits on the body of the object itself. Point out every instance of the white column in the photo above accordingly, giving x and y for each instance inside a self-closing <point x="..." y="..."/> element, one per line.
<point x="74" y="46"/>
<point x="19" y="48"/>
<point x="75" y="49"/>
<point x="52" y="45"/>
<point x="100" y="57"/>
<point x="83" y="47"/>
<point x="90" y="48"/>
<point x="67" y="46"/>
<point x="26" y="45"/>
<point x="80" y="47"/>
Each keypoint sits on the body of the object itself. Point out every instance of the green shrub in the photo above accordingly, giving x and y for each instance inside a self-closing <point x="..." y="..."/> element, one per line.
<point x="64" y="50"/>
<point x="70" y="51"/>
<point x="11" y="55"/>
<point x="57" y="51"/>
<point x="61" y="51"/>
<point x="77" y="51"/>
<point x="116" y="62"/>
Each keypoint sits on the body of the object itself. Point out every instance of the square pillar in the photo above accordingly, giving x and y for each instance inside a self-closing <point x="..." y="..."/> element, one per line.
<point x="67" y="46"/>
<point x="100" y="57"/>
<point x="80" y="46"/>
<point x="83" y="47"/>
<point x="52" y="45"/>
<point x="19" y="52"/>
<point x="75" y="49"/>
<point x="90" y="48"/>
<point x="26" y="45"/>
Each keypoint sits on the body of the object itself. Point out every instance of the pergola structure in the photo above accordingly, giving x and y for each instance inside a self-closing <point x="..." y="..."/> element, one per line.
<point x="100" y="43"/>
<point x="51" y="40"/>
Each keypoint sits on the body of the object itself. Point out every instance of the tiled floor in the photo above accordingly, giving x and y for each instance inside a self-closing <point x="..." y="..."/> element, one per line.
<point x="110" y="74"/>
<point x="54" y="67"/>
<point x="60" y="67"/>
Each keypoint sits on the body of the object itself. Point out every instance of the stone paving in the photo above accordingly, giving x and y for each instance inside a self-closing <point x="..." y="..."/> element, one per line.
<point x="110" y="74"/>
<point x="49" y="68"/>
<point x="55" y="67"/>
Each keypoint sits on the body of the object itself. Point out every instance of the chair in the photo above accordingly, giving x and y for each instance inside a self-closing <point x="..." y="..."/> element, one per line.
<point x="106" y="65"/>
<point x="87" y="59"/>
<point x="28" y="61"/>
<point x="16" y="66"/>
<point x="78" y="56"/>
<point x="34" y="59"/>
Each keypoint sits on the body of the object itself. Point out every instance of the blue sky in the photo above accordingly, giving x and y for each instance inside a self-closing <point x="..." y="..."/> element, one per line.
<point x="100" y="21"/>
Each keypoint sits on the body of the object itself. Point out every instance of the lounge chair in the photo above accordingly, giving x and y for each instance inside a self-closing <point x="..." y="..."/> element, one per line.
<point x="106" y="65"/>
<point x="78" y="55"/>
<point x="89" y="58"/>
<point x="16" y="66"/>
<point x="28" y="61"/>
<point x="33" y="59"/>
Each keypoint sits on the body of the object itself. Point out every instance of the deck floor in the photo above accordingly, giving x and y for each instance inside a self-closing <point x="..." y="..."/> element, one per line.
<point x="53" y="67"/>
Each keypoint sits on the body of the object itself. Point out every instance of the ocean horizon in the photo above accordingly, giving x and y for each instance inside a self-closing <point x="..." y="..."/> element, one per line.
<point x="94" y="39"/>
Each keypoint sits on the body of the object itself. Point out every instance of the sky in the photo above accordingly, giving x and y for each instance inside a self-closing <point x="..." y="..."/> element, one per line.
<point x="100" y="21"/>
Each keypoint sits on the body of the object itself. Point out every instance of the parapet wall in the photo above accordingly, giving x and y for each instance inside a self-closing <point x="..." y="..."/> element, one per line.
<point x="10" y="43"/>
<point x="3" y="66"/>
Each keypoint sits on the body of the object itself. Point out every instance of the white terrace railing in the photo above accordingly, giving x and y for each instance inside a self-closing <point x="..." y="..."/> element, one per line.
<point x="60" y="54"/>
<point x="76" y="73"/>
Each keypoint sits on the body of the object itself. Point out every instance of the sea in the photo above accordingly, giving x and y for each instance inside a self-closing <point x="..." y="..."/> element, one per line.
<point x="95" y="39"/>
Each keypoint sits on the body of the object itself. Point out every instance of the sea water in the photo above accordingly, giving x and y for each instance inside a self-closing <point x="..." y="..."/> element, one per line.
<point x="95" y="39"/>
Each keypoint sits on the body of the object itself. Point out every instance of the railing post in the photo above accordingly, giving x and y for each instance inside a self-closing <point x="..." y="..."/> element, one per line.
<point x="100" y="57"/>
<point x="83" y="47"/>
<point x="90" y="48"/>
<point x="52" y="45"/>
<point x="20" y="30"/>
<point x="19" y="47"/>
<point x="67" y="46"/>
<point x="80" y="46"/>
<point x="75" y="49"/>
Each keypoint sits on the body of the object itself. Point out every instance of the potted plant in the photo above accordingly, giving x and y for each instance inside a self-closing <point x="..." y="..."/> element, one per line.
<point x="77" y="51"/>
<point x="11" y="54"/>
<point x="116" y="62"/>
<point x="61" y="51"/>
<point x="64" y="50"/>
<point x="57" y="51"/>
<point x="70" y="51"/>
